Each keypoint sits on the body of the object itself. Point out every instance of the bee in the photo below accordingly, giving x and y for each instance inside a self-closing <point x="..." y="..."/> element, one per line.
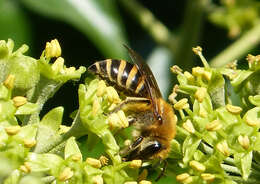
<point x="153" y="117"/>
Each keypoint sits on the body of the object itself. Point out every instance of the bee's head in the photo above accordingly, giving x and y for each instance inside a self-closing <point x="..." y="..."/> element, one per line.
<point x="143" y="148"/>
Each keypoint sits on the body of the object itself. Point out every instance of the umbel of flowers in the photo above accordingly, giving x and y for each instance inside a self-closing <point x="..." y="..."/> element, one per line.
<point x="217" y="138"/>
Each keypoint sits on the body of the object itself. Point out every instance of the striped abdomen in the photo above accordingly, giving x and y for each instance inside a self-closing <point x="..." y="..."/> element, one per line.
<point x="122" y="73"/>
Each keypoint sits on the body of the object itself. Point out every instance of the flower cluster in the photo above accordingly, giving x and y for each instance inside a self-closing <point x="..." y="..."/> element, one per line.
<point x="217" y="138"/>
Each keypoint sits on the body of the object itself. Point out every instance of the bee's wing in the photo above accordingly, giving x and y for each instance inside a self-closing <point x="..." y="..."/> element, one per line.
<point x="150" y="82"/>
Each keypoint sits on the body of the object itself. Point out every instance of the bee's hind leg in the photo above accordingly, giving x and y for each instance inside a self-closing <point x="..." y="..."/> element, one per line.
<point x="163" y="169"/>
<point x="126" y="104"/>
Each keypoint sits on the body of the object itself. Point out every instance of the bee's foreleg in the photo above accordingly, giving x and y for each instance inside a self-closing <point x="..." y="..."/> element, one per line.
<point x="128" y="103"/>
<point x="163" y="169"/>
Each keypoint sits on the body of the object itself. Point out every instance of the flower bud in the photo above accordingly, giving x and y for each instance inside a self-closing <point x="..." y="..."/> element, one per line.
<point x="25" y="168"/>
<point x="200" y="94"/>
<point x="197" y="166"/>
<point x="101" y="88"/>
<point x="19" y="101"/>
<point x="123" y="119"/>
<point x="197" y="71"/>
<point x="52" y="49"/>
<point x="207" y="75"/>
<point x="244" y="141"/>
<point x="214" y="125"/>
<point x="94" y="162"/>
<point x="76" y="157"/>
<point x="184" y="178"/>
<point x="223" y="148"/>
<point x="12" y="130"/>
<point x="70" y="70"/>
<point x="208" y="177"/>
<point x="233" y="109"/>
<point x="145" y="182"/>
<point x="130" y="182"/>
<point x="97" y="179"/>
<point x="58" y="65"/>
<point x="95" y="107"/>
<point x="112" y="95"/>
<point x="172" y="98"/>
<point x="175" y="69"/>
<point x="135" y="164"/>
<point x="29" y="143"/>
<point x="181" y="104"/>
<point x="9" y="81"/>
<point x="66" y="174"/>
<point x="188" y="126"/>
<point x="188" y="76"/>
<point x="197" y="50"/>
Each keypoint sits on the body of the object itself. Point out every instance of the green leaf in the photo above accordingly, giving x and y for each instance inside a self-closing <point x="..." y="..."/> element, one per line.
<point x="189" y="147"/>
<point x="50" y="163"/>
<point x="14" y="23"/>
<point x="71" y="148"/>
<point x="53" y="118"/>
<point x="97" y="19"/>
<point x="27" y="132"/>
<point x="243" y="162"/>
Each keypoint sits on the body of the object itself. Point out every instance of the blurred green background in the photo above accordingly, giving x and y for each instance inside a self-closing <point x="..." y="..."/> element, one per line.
<point x="163" y="32"/>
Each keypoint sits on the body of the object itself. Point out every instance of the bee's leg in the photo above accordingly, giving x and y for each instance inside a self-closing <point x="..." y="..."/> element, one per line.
<point x="163" y="170"/>
<point x="128" y="101"/>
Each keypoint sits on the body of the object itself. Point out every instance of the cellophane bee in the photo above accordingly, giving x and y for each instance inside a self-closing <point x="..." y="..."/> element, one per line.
<point x="153" y="117"/>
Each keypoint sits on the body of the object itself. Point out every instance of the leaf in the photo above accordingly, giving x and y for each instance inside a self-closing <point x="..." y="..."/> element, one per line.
<point x="27" y="132"/>
<point x="48" y="128"/>
<point x="53" y="118"/>
<point x="14" y="23"/>
<point x="97" y="19"/>
<point x="50" y="163"/>
<point x="190" y="145"/>
<point x="243" y="162"/>
<point x="71" y="148"/>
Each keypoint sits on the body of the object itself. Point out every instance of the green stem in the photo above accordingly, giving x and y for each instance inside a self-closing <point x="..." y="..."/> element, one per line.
<point x="190" y="32"/>
<point x="239" y="48"/>
<point x="148" y="21"/>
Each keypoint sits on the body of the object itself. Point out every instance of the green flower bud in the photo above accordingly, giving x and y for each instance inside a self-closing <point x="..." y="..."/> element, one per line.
<point x="12" y="130"/>
<point x="181" y="104"/>
<point x="52" y="49"/>
<point x="208" y="177"/>
<point x="19" y="101"/>
<point x="94" y="162"/>
<point x="184" y="178"/>
<point x="66" y="174"/>
<point x="9" y="81"/>
<point x="135" y="164"/>
<point x="197" y="166"/>
<point x="97" y="179"/>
